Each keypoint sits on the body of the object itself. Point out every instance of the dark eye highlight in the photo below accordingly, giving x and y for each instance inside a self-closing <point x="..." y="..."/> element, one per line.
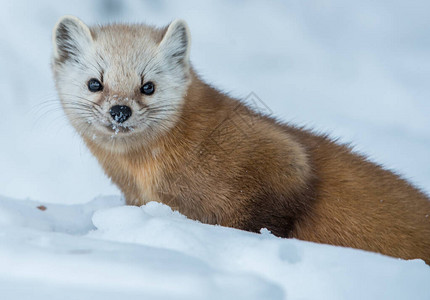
<point x="94" y="85"/>
<point x="148" y="88"/>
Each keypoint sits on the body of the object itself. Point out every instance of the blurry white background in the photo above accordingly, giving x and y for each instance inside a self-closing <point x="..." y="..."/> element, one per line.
<point x="358" y="70"/>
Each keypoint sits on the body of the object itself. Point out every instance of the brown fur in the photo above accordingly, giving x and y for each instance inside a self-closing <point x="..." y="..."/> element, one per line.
<point x="225" y="164"/>
<point x="222" y="163"/>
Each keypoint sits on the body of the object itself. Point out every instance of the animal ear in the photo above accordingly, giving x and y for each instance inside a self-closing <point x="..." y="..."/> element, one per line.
<point x="175" y="44"/>
<point x="70" y="38"/>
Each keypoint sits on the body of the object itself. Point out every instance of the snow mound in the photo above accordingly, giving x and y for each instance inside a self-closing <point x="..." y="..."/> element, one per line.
<point x="105" y="250"/>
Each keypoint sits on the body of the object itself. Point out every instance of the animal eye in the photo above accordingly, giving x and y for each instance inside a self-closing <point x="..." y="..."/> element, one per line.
<point x="94" y="85"/>
<point x="148" y="88"/>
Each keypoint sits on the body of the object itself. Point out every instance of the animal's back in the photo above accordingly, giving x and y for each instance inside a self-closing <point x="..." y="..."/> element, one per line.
<point x="359" y="204"/>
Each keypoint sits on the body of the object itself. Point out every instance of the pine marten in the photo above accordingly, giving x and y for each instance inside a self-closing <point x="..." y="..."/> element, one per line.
<point x="162" y="134"/>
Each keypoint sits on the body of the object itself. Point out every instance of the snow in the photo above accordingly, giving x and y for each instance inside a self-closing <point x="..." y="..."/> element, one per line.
<point x="357" y="70"/>
<point x="105" y="250"/>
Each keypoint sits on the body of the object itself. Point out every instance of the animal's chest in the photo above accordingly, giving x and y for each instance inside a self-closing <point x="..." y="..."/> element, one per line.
<point x="138" y="181"/>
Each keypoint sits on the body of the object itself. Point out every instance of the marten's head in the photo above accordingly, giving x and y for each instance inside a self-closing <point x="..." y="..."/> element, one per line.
<point x="121" y="86"/>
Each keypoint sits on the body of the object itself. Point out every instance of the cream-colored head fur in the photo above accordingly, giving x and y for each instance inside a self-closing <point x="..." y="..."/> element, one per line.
<point x="122" y="58"/>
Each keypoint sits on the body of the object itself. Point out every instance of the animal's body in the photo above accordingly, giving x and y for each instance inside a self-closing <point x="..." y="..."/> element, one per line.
<point x="162" y="134"/>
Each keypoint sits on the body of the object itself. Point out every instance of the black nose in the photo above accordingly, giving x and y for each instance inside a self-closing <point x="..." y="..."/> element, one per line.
<point x="120" y="113"/>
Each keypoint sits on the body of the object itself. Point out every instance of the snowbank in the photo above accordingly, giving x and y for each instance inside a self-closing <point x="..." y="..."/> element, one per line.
<point x="105" y="250"/>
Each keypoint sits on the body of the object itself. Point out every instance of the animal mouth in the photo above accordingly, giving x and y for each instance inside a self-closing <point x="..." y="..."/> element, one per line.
<point x="118" y="128"/>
